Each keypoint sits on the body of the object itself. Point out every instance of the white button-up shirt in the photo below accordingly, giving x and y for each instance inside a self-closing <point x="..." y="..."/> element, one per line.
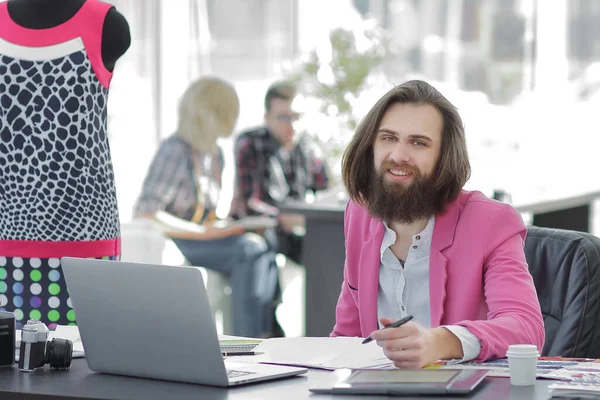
<point x="404" y="289"/>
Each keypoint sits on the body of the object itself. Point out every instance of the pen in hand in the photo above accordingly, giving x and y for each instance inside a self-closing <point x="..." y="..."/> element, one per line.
<point x="396" y="324"/>
<point x="240" y="353"/>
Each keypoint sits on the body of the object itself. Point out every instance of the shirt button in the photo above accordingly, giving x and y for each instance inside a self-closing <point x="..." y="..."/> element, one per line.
<point x="414" y="247"/>
<point x="418" y="237"/>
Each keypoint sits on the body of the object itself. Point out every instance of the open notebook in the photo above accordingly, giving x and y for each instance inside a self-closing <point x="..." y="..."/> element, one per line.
<point x="170" y="223"/>
<point x="232" y="347"/>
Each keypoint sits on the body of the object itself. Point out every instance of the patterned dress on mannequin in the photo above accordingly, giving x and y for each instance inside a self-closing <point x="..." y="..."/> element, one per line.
<point x="57" y="191"/>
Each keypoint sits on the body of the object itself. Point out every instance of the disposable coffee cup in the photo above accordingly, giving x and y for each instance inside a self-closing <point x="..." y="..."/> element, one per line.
<point x="522" y="363"/>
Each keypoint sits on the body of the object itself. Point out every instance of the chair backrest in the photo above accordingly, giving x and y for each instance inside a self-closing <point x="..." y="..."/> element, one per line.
<point x="565" y="266"/>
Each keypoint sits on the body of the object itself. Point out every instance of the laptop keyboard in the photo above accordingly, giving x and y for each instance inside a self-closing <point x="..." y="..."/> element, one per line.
<point x="231" y="373"/>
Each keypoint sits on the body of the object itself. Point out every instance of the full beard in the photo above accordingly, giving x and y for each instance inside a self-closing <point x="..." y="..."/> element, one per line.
<point x="392" y="201"/>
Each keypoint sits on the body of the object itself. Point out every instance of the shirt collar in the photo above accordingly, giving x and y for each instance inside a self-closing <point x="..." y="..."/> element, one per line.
<point x="389" y="237"/>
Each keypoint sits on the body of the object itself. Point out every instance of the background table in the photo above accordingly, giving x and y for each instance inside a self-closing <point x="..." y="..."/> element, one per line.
<point x="81" y="383"/>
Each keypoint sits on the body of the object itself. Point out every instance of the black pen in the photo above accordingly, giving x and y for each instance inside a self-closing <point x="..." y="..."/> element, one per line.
<point x="396" y="324"/>
<point x="240" y="353"/>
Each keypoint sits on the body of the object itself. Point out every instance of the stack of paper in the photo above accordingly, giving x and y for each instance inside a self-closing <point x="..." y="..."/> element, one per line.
<point x="574" y="390"/>
<point x="72" y="333"/>
<point x="322" y="353"/>
<point x="547" y="368"/>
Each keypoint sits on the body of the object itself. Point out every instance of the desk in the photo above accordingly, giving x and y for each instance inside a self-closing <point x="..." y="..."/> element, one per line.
<point x="573" y="212"/>
<point x="324" y="250"/>
<point x="323" y="253"/>
<point x="81" y="383"/>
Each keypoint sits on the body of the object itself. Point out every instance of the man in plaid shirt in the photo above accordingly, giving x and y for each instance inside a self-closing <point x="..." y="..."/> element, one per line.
<point x="273" y="166"/>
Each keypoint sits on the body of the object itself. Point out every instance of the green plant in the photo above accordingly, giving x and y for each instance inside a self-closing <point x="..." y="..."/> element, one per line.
<point x="354" y="59"/>
<point x="350" y="69"/>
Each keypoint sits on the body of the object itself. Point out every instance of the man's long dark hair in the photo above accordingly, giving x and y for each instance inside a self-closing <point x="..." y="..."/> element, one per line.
<point x="452" y="169"/>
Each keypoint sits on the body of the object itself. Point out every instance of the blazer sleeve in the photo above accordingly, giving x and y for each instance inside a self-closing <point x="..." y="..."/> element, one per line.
<point x="347" y="321"/>
<point x="514" y="315"/>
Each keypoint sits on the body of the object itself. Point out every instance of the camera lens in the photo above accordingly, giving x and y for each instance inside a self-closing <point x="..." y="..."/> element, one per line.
<point x="59" y="353"/>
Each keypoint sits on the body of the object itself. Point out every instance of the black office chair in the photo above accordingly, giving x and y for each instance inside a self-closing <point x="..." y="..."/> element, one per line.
<point x="565" y="266"/>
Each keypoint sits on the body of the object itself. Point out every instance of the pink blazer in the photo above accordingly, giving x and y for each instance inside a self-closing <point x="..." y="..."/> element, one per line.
<point x="478" y="276"/>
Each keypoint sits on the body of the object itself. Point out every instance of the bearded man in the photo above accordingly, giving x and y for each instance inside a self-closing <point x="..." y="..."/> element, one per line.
<point x="418" y="244"/>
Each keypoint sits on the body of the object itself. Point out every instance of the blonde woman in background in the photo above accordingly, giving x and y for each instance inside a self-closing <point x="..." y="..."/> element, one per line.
<point x="184" y="180"/>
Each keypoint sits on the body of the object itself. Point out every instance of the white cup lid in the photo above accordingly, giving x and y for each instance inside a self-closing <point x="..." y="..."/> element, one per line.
<point x="522" y="349"/>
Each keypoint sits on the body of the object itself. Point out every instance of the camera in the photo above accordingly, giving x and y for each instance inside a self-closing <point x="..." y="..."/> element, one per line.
<point x="36" y="350"/>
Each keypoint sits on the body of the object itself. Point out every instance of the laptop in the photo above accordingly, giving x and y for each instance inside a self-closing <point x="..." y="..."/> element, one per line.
<point x="153" y="321"/>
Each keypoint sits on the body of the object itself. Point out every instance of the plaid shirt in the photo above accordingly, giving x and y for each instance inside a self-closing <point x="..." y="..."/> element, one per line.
<point x="266" y="172"/>
<point x="172" y="183"/>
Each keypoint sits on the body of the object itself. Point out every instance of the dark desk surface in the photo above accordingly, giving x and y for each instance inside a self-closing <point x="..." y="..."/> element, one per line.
<point x="81" y="383"/>
<point x="540" y="203"/>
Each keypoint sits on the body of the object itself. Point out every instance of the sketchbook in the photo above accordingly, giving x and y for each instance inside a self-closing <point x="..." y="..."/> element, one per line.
<point x="232" y="347"/>
<point x="170" y="223"/>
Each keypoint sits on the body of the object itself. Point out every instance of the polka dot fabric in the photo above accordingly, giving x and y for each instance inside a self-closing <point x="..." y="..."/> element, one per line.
<point x="34" y="288"/>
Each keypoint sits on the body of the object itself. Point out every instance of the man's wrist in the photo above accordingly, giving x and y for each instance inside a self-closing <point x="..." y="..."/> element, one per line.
<point x="448" y="345"/>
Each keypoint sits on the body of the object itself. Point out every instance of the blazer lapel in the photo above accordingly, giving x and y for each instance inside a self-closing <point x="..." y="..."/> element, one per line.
<point x="370" y="261"/>
<point x="437" y="285"/>
<point x="443" y="237"/>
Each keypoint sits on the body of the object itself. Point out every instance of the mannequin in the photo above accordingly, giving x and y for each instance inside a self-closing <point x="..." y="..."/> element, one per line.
<point x="56" y="176"/>
<point x="44" y="14"/>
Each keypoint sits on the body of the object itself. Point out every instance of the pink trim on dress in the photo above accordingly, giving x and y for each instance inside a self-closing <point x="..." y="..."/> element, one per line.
<point x="87" y="23"/>
<point x="43" y="249"/>
<point x="92" y="23"/>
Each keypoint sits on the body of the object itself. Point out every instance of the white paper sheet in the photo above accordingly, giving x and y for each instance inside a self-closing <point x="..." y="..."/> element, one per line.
<point x="323" y="353"/>
<point x="72" y="333"/>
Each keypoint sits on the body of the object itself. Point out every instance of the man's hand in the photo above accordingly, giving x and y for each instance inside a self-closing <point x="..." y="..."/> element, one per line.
<point x="210" y="233"/>
<point x="289" y="222"/>
<point x="413" y="346"/>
